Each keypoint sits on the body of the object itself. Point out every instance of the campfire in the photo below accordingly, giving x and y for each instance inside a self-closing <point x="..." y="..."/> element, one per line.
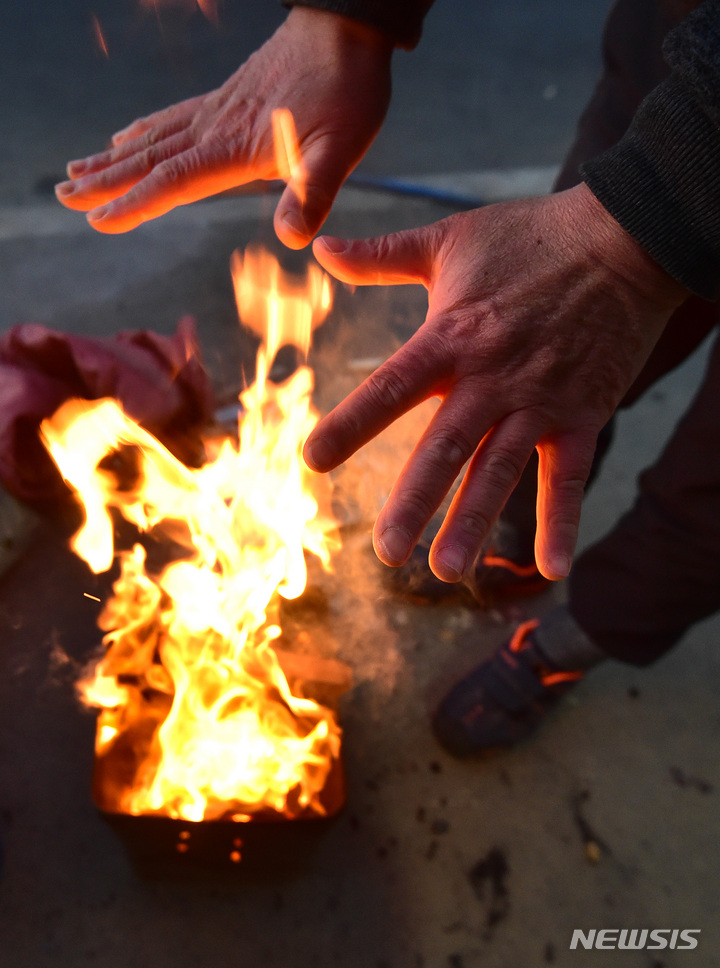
<point x="197" y="719"/>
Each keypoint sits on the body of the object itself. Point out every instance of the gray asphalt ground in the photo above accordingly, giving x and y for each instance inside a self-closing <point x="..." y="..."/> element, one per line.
<point x="607" y="819"/>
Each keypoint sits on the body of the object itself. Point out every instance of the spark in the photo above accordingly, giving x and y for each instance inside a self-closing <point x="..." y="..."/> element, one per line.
<point x="208" y="7"/>
<point x="99" y="36"/>
<point x="93" y="597"/>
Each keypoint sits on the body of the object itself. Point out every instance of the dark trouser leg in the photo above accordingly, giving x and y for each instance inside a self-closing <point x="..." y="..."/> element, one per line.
<point x="639" y="589"/>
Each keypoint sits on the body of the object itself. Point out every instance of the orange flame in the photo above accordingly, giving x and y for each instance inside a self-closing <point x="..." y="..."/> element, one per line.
<point x="288" y="159"/>
<point x="189" y="685"/>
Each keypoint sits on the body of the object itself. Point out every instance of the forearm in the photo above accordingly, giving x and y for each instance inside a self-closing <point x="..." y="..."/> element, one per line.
<point x="401" y="20"/>
<point x="662" y="180"/>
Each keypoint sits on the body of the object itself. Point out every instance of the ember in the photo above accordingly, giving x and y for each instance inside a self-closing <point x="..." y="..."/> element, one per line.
<point x="197" y="719"/>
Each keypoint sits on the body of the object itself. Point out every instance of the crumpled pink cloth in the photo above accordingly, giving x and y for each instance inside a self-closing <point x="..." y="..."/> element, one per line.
<point x="159" y="380"/>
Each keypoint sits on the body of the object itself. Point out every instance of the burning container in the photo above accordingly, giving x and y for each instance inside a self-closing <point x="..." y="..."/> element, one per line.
<point x="204" y="747"/>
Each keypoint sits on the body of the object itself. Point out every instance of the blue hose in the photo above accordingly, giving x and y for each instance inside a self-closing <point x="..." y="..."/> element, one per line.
<point x="402" y="187"/>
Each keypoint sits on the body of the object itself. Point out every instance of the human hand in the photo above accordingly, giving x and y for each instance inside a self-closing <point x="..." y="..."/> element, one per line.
<point x="540" y="315"/>
<point x="332" y="73"/>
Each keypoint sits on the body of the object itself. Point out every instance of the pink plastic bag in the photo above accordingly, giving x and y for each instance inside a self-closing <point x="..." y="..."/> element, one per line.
<point x="159" y="380"/>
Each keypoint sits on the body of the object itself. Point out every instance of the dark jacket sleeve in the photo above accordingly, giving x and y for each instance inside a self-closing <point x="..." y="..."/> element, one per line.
<point x="400" y="19"/>
<point x="662" y="180"/>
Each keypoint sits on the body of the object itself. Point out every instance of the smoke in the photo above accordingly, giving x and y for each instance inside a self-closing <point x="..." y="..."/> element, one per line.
<point x="364" y="330"/>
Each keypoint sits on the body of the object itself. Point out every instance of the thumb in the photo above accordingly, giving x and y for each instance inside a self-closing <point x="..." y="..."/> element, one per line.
<point x="403" y="257"/>
<point x="309" y="195"/>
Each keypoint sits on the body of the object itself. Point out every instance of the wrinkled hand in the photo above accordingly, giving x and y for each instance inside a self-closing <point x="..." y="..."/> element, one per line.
<point x="332" y="73"/>
<point x="540" y="315"/>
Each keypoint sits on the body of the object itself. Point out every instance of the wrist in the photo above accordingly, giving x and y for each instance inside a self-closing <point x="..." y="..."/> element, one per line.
<point x="618" y="251"/>
<point x="339" y="32"/>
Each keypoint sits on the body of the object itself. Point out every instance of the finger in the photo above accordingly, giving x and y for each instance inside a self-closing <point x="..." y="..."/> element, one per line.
<point x="404" y="257"/>
<point x="564" y="467"/>
<point x="86" y="193"/>
<point x="410" y="376"/>
<point x="448" y="442"/>
<point x="141" y="125"/>
<point x="104" y="159"/>
<point x="488" y="482"/>
<point x="185" y="178"/>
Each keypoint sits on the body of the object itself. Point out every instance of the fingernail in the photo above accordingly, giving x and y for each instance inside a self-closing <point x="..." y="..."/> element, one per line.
<point x="319" y="454"/>
<point x="97" y="214"/>
<point x="294" y="222"/>
<point x="334" y="245"/>
<point x="560" y="565"/>
<point x="75" y="168"/>
<point x="453" y="562"/>
<point x="64" y="189"/>
<point x="395" y="544"/>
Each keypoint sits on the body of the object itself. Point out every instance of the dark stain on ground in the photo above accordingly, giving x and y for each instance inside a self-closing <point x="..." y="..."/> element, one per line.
<point x="549" y="953"/>
<point x="488" y="879"/>
<point x="588" y="835"/>
<point x="685" y="780"/>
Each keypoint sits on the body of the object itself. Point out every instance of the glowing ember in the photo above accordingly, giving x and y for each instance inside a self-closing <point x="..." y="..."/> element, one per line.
<point x="191" y="693"/>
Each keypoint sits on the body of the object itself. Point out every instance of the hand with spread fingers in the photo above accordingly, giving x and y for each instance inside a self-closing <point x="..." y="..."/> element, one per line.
<point x="330" y="72"/>
<point x="540" y="315"/>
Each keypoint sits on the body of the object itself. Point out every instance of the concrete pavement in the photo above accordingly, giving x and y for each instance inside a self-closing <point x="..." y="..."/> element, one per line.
<point x="607" y="819"/>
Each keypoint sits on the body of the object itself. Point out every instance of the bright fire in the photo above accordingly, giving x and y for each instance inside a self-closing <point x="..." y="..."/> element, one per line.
<point x="191" y="693"/>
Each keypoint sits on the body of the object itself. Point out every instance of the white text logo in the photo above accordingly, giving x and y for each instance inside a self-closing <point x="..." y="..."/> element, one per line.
<point x="612" y="938"/>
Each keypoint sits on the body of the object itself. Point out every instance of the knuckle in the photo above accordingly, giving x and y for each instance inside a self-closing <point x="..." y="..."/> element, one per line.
<point x="503" y="468"/>
<point x="450" y="448"/>
<point x="417" y="506"/>
<point x="383" y="246"/>
<point x="472" y="521"/>
<point x="567" y="489"/>
<point x="175" y="170"/>
<point x="153" y="136"/>
<point x="169" y="172"/>
<point x="147" y="160"/>
<point x="318" y="197"/>
<point x="387" y="387"/>
<point x="103" y="159"/>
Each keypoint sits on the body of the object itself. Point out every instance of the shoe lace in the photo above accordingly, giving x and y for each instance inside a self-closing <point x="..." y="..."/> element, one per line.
<point x="521" y="571"/>
<point x="521" y="640"/>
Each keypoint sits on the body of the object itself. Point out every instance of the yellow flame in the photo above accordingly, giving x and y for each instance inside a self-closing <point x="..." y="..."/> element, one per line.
<point x="189" y="678"/>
